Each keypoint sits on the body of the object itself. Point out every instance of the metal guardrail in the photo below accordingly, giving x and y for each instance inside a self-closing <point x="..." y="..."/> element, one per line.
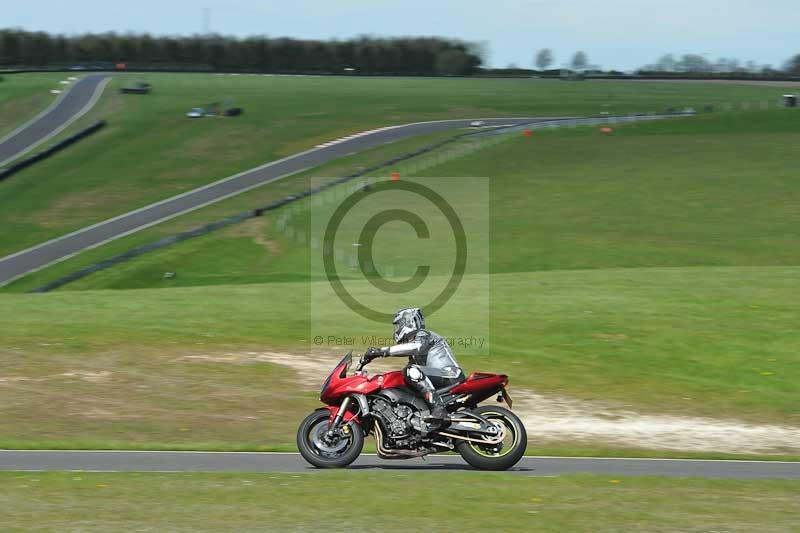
<point x="9" y="171"/>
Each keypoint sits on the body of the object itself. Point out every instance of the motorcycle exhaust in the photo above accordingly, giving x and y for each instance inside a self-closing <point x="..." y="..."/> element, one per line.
<point x="384" y="453"/>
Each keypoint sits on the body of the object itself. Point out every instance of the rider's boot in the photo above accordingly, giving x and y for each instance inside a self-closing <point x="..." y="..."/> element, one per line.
<point x="438" y="417"/>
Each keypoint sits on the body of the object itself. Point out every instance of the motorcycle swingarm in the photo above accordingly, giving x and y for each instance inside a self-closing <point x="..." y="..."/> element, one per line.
<point x="476" y="424"/>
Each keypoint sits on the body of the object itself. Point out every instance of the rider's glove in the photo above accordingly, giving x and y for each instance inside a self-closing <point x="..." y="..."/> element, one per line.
<point x="372" y="353"/>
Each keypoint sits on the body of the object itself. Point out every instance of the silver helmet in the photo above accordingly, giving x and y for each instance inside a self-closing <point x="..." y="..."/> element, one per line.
<point x="407" y="322"/>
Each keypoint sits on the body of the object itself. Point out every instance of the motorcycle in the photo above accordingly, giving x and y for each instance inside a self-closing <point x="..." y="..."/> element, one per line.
<point x="488" y="437"/>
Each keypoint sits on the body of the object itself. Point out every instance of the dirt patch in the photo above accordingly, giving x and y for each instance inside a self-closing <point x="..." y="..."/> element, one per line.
<point x="610" y="336"/>
<point x="91" y="377"/>
<point x="19" y="379"/>
<point x="72" y="208"/>
<point x="552" y="419"/>
<point x="256" y="228"/>
<point x="561" y="419"/>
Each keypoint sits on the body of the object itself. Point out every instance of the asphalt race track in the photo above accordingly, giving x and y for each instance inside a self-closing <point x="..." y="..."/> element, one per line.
<point x="70" y="106"/>
<point x="36" y="257"/>
<point x="144" y="461"/>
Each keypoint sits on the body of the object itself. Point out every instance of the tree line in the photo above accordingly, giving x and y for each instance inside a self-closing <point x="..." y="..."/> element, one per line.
<point x="700" y="64"/>
<point x="363" y="55"/>
<point x="692" y="64"/>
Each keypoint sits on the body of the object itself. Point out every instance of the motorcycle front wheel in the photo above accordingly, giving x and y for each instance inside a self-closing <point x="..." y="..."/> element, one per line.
<point x="500" y="456"/>
<point x="325" y="452"/>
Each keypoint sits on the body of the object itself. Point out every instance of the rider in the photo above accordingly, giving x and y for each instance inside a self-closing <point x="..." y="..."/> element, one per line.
<point x="431" y="363"/>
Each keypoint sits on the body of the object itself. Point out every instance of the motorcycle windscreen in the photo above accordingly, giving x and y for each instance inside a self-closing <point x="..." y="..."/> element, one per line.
<point x="345" y="363"/>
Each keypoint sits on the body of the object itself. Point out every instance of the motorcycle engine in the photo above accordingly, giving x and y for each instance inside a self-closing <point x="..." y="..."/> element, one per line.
<point x="395" y="417"/>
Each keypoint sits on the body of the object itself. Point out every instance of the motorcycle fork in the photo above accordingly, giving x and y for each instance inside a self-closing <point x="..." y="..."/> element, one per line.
<point x="337" y="420"/>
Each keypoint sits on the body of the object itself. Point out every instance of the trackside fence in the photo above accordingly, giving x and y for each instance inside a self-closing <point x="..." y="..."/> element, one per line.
<point x="9" y="171"/>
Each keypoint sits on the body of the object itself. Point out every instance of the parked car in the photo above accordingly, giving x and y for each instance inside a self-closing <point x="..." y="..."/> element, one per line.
<point x="196" y="112"/>
<point x="137" y="88"/>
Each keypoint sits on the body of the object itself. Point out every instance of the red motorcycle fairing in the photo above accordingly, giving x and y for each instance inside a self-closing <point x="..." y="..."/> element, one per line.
<point x="479" y="381"/>
<point x="338" y="387"/>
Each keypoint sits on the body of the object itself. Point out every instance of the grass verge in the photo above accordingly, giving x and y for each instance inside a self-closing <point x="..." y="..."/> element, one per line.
<point x="342" y="501"/>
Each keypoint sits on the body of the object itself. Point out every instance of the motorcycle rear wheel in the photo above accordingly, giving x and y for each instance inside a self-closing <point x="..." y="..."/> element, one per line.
<point x="324" y="454"/>
<point x="501" y="456"/>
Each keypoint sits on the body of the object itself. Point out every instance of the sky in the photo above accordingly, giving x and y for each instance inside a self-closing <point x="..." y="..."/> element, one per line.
<point x="620" y="34"/>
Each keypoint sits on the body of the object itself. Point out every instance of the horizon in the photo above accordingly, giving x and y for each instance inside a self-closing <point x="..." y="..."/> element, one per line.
<point x="747" y="31"/>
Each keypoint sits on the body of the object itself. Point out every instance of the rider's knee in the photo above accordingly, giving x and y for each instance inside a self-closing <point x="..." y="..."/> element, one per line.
<point x="414" y="374"/>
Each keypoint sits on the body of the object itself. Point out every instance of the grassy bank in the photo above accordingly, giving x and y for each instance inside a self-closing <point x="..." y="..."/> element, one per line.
<point x="714" y="190"/>
<point x="150" y="150"/>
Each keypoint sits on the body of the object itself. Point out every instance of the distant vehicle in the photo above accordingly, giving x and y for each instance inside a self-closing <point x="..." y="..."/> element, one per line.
<point x="477" y="123"/>
<point x="196" y="112"/>
<point x="137" y="88"/>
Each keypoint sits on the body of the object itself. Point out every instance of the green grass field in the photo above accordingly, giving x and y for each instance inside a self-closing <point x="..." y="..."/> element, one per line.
<point x="151" y="151"/>
<point x="680" y="341"/>
<point x="339" y="501"/>
<point x="655" y="268"/>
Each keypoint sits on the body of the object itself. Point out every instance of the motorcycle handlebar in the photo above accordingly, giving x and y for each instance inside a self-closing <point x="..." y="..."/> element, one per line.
<point x="362" y="362"/>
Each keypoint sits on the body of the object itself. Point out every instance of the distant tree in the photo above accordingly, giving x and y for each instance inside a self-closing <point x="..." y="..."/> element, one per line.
<point x="580" y="61"/>
<point x="544" y="58"/>
<point x="727" y="64"/>
<point x="10" y="47"/>
<point x="666" y="63"/>
<point x="793" y="66"/>
<point x="452" y="62"/>
<point x="694" y="63"/>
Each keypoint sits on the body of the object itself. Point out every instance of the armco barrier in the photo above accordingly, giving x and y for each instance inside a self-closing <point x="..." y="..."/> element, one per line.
<point x="44" y="154"/>
<point x="241" y="217"/>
